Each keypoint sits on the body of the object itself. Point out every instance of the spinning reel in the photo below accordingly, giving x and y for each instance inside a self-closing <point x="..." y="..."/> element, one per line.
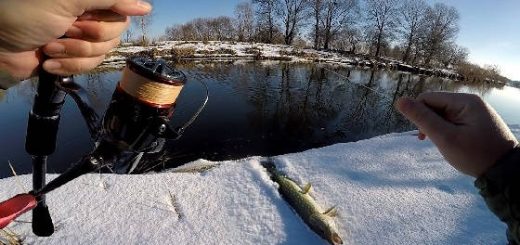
<point x="135" y="123"/>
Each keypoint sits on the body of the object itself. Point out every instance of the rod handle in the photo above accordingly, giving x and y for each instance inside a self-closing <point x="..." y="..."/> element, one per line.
<point x="44" y="227"/>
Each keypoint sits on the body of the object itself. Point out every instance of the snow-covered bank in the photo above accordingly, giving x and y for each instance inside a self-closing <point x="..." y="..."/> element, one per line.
<point x="217" y="51"/>
<point x="224" y="51"/>
<point x="389" y="190"/>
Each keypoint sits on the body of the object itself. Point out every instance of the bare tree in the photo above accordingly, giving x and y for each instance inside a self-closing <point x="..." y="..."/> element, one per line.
<point x="180" y="33"/>
<point x="348" y="39"/>
<point x="459" y="56"/>
<point x="411" y="17"/>
<point x="317" y="10"/>
<point x="266" y="14"/>
<point x="129" y="33"/>
<point x="245" y="21"/>
<point x="452" y="54"/>
<point x="143" y="23"/>
<point x="441" y="28"/>
<point x="292" y="13"/>
<point x="203" y="29"/>
<point x="382" y="17"/>
<point x="220" y="29"/>
<point x="337" y="15"/>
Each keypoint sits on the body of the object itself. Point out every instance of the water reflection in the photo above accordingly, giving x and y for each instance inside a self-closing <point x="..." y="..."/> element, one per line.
<point x="254" y="109"/>
<point x="272" y="110"/>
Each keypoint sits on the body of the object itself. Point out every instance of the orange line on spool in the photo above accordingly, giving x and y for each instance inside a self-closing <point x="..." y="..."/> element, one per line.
<point x="150" y="92"/>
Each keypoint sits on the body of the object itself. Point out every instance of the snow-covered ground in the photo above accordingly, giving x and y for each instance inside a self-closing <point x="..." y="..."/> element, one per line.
<point x="227" y="50"/>
<point x="391" y="189"/>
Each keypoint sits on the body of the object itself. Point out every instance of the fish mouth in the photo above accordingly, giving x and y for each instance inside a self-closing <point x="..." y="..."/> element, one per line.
<point x="336" y="239"/>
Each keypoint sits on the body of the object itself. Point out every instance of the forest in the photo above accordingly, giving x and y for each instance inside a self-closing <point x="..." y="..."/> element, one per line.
<point x="411" y="31"/>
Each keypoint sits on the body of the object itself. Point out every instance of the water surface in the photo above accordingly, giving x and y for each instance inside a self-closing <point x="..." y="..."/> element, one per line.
<point x="254" y="109"/>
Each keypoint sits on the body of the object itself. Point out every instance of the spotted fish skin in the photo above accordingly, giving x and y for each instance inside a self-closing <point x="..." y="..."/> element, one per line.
<point x="320" y="221"/>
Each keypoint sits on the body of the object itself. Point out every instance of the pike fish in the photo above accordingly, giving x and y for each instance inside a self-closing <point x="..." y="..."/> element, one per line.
<point x="318" y="220"/>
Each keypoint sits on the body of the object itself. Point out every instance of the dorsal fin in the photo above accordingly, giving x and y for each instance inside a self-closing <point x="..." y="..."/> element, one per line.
<point x="307" y="188"/>
<point x="332" y="212"/>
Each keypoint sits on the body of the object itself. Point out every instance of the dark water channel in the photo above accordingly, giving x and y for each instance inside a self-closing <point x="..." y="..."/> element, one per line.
<point x="254" y="109"/>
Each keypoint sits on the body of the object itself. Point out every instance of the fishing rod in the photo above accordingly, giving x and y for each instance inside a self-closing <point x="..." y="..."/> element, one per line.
<point x="40" y="143"/>
<point x="42" y="131"/>
<point x="136" y="122"/>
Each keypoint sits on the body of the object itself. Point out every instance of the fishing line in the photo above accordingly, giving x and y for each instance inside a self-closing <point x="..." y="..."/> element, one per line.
<point x="199" y="111"/>
<point x="193" y="119"/>
<point x="381" y="94"/>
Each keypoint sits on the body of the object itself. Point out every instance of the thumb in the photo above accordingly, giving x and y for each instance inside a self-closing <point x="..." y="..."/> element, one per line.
<point x="429" y="122"/>
<point x="122" y="7"/>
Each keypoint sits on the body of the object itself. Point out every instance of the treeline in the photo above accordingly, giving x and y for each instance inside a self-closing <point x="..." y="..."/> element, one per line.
<point x="412" y="31"/>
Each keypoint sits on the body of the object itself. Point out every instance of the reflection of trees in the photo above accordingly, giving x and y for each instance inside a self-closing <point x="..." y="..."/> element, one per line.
<point x="216" y="72"/>
<point x="96" y="85"/>
<point x="289" y="103"/>
<point x="370" y="110"/>
<point x="308" y="102"/>
<point x="364" y="99"/>
<point x="275" y="109"/>
<point x="482" y="89"/>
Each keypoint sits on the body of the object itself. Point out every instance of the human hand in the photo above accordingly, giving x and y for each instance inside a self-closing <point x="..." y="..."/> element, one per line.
<point x="468" y="132"/>
<point x="91" y="27"/>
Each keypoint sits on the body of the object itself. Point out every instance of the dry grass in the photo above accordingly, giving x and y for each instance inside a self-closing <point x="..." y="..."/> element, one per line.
<point x="311" y="56"/>
<point x="299" y="54"/>
<point x="179" y="53"/>
<point x="116" y="53"/>
<point x="174" y="205"/>
<point x="16" y="175"/>
<point x="221" y="51"/>
<point x="9" y="237"/>
<point x="253" y="51"/>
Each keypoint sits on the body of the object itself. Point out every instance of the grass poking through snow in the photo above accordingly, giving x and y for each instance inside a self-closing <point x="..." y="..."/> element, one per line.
<point x="17" y="180"/>
<point x="9" y="237"/>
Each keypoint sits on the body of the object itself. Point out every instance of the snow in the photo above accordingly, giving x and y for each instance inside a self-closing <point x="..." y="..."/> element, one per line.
<point x="274" y="53"/>
<point x="231" y="50"/>
<point x="391" y="189"/>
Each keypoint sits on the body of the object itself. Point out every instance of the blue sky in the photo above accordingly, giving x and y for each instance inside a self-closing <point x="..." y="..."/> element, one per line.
<point x="490" y="29"/>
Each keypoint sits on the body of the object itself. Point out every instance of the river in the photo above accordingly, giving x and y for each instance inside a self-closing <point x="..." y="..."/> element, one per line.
<point x="255" y="109"/>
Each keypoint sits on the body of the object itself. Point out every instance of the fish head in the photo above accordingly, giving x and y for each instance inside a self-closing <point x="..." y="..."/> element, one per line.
<point x="325" y="227"/>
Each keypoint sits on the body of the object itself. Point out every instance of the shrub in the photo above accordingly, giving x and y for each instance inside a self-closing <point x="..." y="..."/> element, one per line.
<point x="221" y="51"/>
<point x="299" y="53"/>
<point x="227" y="51"/>
<point x="150" y="53"/>
<point x="178" y="53"/>
<point x="254" y="51"/>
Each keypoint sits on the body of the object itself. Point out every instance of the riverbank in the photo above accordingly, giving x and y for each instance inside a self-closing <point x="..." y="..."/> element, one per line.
<point x="231" y="51"/>
<point x="391" y="189"/>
